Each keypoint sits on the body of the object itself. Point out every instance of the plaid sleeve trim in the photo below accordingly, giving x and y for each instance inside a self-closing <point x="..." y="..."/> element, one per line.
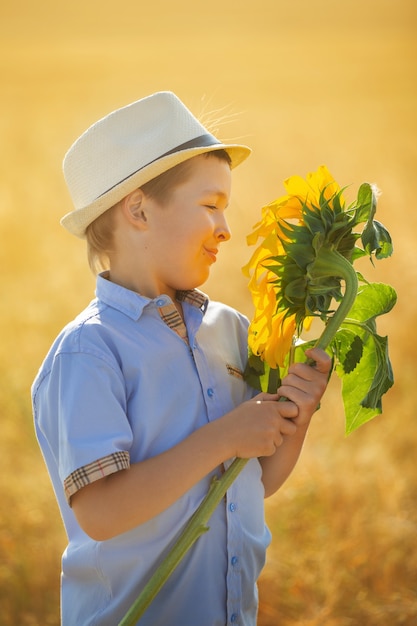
<point x="94" y="471"/>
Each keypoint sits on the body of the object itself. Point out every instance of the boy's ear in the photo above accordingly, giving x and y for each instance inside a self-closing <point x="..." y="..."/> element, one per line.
<point x="133" y="208"/>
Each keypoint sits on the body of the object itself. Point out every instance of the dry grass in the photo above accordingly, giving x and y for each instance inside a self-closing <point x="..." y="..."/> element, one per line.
<point x="311" y="85"/>
<point x="344" y="528"/>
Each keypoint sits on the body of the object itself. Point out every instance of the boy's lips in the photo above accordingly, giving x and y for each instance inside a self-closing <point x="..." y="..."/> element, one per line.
<point x="211" y="253"/>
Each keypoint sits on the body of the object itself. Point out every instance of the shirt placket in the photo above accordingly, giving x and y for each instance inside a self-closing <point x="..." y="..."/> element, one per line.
<point x="234" y="553"/>
<point x="170" y="315"/>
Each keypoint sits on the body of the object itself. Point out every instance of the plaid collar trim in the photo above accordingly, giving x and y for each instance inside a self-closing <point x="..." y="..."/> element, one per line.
<point x="195" y="297"/>
<point x="170" y="315"/>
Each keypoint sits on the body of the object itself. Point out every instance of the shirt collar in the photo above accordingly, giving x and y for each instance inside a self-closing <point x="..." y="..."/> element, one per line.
<point x="195" y="297"/>
<point x="132" y="303"/>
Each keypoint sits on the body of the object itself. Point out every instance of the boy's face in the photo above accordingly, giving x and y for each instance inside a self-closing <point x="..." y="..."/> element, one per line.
<point x="184" y="234"/>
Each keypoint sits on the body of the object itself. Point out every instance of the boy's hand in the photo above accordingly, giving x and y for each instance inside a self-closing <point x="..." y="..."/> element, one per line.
<point x="258" y="427"/>
<point x="302" y="389"/>
<point x="305" y="384"/>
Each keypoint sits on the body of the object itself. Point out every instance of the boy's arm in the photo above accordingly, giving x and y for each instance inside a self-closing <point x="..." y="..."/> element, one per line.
<point x="277" y="468"/>
<point x="119" y="502"/>
<point x="304" y="385"/>
<point x="258" y="428"/>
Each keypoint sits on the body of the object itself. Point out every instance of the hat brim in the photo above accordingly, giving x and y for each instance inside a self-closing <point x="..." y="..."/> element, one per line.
<point x="76" y="221"/>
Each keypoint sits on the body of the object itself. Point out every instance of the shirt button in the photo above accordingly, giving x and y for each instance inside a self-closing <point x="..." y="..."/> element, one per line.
<point x="210" y="392"/>
<point x="233" y="618"/>
<point x="160" y="302"/>
<point x="232" y="507"/>
<point x="234" y="560"/>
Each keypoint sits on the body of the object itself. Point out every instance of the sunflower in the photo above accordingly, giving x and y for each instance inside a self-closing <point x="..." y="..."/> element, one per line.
<point x="275" y="320"/>
<point x="306" y="252"/>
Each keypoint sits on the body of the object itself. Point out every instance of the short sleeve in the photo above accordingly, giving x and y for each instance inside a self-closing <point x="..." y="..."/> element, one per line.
<point x="81" y="409"/>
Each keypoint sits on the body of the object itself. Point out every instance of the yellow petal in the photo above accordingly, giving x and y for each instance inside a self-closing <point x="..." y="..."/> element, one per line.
<point x="271" y="332"/>
<point x="297" y="186"/>
<point x="322" y="180"/>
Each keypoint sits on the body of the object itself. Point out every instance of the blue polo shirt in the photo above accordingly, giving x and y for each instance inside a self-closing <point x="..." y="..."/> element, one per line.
<point x="127" y="380"/>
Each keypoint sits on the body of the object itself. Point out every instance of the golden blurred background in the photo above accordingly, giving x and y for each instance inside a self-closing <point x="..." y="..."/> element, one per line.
<point x="303" y="83"/>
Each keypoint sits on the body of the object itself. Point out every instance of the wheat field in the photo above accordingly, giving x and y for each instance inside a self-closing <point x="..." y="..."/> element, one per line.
<point x="303" y="83"/>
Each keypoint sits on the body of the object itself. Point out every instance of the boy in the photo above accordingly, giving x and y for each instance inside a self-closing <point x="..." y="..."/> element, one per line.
<point x="141" y="400"/>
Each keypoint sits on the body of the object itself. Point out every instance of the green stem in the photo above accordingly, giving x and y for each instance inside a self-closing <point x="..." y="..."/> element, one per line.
<point x="331" y="263"/>
<point x="194" y="529"/>
<point x="328" y="263"/>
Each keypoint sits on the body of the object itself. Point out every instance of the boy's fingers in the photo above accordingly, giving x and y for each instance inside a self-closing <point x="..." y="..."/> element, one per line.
<point x="322" y="361"/>
<point x="266" y="397"/>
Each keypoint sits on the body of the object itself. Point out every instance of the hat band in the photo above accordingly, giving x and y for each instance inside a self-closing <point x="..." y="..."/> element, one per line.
<point x="202" y="141"/>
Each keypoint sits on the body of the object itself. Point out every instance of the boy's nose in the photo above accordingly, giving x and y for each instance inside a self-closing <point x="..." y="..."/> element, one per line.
<point x="223" y="232"/>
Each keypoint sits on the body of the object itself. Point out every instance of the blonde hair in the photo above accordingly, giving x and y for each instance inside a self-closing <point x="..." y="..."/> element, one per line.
<point x="100" y="233"/>
<point x="99" y="236"/>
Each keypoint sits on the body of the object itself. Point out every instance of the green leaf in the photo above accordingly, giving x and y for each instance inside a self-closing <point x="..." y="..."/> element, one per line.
<point x="254" y="371"/>
<point x="365" y="204"/>
<point x="355" y="387"/>
<point x="376" y="238"/>
<point x="372" y="300"/>
<point x="349" y="348"/>
<point x="260" y="376"/>
<point x="367" y="376"/>
<point x="383" y="379"/>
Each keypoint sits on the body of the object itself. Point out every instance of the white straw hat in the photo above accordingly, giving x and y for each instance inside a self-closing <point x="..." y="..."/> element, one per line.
<point x="128" y="148"/>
